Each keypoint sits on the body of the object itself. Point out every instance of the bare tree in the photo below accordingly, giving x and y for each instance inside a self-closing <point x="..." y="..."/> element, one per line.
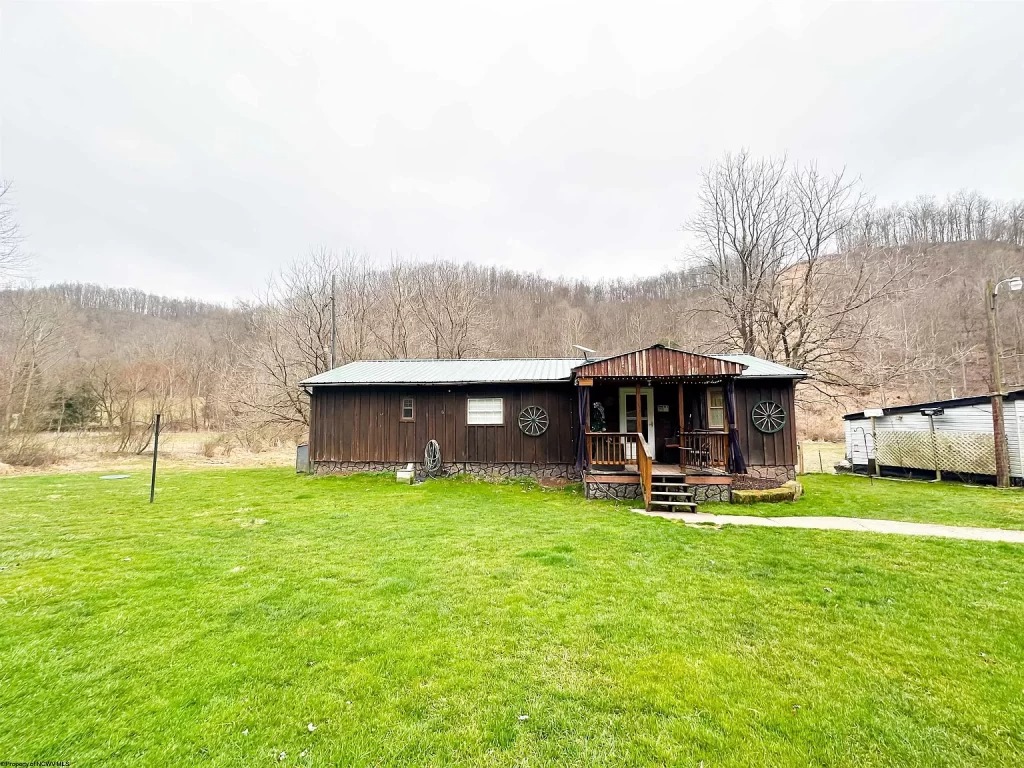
<point x="357" y="306"/>
<point x="784" y="270"/>
<point x="13" y="259"/>
<point x="289" y="340"/>
<point x="31" y="343"/>
<point x="744" y="229"/>
<point x="450" y="310"/>
<point x="393" y="307"/>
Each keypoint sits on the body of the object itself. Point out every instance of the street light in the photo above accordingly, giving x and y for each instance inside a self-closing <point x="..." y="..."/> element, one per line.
<point x="995" y="366"/>
<point x="1013" y="283"/>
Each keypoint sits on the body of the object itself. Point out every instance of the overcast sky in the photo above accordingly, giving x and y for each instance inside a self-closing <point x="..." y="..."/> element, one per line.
<point x="191" y="149"/>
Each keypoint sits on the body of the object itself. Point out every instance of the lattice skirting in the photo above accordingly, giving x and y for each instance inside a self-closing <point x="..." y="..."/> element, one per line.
<point x="964" y="452"/>
<point x="487" y="471"/>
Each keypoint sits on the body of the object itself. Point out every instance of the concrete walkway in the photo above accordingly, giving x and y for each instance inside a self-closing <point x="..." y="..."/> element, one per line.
<point x="846" y="524"/>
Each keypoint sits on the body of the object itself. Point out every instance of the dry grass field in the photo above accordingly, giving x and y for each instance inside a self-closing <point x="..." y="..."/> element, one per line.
<point x="96" y="452"/>
<point x="820" y="456"/>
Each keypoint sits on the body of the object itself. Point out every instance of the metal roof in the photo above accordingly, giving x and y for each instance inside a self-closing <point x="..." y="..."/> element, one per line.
<point x="759" y="368"/>
<point x="500" y="370"/>
<point x="956" y="402"/>
<point x="448" y="371"/>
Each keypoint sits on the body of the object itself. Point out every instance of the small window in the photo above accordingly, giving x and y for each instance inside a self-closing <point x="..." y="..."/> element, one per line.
<point x="482" y="411"/>
<point x="716" y="409"/>
<point x="408" y="409"/>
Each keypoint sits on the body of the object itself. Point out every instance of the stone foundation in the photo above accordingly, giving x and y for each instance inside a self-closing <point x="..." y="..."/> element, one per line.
<point x="352" y="467"/>
<point x="483" y="470"/>
<point x="774" y="474"/>
<point x="615" y="491"/>
<point x="508" y="471"/>
<point x="709" y="492"/>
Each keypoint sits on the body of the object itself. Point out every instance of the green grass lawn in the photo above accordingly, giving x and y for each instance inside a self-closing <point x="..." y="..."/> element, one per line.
<point x="474" y="624"/>
<point x="910" y="500"/>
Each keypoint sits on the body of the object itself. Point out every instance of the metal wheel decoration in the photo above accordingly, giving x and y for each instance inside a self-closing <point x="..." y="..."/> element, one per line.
<point x="432" y="458"/>
<point x="768" y="416"/>
<point x="533" y="420"/>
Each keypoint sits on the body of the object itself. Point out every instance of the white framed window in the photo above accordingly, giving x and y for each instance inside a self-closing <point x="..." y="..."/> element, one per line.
<point x="482" y="411"/>
<point x="716" y="408"/>
<point x="408" y="409"/>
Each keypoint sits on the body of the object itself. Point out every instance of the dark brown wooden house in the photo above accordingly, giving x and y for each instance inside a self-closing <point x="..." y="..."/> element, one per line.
<point x="668" y="426"/>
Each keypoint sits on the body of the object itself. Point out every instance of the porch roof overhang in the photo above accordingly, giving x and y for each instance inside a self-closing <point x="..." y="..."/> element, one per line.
<point x="658" y="363"/>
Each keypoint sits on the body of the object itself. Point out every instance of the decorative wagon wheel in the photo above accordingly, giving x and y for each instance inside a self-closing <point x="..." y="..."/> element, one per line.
<point x="533" y="420"/>
<point x="768" y="416"/>
<point x="432" y="458"/>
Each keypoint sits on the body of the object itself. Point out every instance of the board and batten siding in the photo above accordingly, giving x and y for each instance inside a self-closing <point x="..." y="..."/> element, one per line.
<point x="363" y="424"/>
<point x="759" y="449"/>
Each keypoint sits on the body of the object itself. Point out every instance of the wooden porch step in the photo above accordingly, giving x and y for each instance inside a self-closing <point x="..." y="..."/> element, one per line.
<point x="690" y="504"/>
<point x="672" y="494"/>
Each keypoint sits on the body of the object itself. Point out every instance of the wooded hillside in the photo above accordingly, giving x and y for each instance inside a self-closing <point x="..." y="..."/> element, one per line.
<point x="881" y="306"/>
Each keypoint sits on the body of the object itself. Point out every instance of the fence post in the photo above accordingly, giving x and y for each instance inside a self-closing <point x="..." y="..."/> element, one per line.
<point x="156" y="448"/>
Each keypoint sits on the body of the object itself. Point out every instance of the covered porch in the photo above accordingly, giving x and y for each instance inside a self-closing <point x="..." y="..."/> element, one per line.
<point x="683" y="425"/>
<point x="662" y="405"/>
<point x="661" y="418"/>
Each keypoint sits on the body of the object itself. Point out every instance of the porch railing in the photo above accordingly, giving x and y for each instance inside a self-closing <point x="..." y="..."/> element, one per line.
<point x="645" y="464"/>
<point x="704" y="449"/>
<point x="623" y="449"/>
<point x="700" y="449"/>
<point x="611" y="448"/>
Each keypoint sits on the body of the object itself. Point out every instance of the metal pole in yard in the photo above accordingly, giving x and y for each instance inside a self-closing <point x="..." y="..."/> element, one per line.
<point x="874" y="443"/>
<point x="156" y="448"/>
<point x="334" y="323"/>
<point x="935" y="447"/>
<point x="821" y="464"/>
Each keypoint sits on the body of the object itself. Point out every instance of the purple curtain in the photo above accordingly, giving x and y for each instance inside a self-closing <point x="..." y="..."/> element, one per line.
<point x="583" y="396"/>
<point x="739" y="466"/>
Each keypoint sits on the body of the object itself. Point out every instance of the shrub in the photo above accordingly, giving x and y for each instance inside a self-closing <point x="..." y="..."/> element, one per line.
<point x="257" y="439"/>
<point x="219" y="444"/>
<point x="26" y="449"/>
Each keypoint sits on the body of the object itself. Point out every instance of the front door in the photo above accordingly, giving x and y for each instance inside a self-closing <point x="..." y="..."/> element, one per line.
<point x="628" y="416"/>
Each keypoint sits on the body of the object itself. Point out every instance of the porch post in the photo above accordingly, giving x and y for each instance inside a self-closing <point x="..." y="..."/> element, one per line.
<point x="639" y="409"/>
<point x="730" y="463"/>
<point x="682" y="428"/>
<point x="737" y="464"/>
<point x="585" y="453"/>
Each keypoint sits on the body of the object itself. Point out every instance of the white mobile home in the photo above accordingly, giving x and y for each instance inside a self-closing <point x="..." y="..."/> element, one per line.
<point x="956" y="440"/>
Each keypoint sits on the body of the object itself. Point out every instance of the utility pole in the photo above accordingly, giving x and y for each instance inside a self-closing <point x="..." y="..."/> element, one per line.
<point x="334" y="323"/>
<point x="996" y="371"/>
